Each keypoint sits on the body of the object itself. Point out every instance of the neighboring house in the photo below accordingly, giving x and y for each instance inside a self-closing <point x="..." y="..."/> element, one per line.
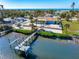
<point x="20" y="19"/>
<point x="48" y="15"/>
<point x="40" y="21"/>
<point x="26" y="25"/>
<point x="73" y="19"/>
<point x="23" y="24"/>
<point x="8" y="21"/>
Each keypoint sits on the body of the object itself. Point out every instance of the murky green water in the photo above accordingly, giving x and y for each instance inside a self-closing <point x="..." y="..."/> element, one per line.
<point x="42" y="48"/>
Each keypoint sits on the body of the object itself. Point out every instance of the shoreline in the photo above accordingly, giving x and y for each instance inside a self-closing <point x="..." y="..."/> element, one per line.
<point x="74" y="40"/>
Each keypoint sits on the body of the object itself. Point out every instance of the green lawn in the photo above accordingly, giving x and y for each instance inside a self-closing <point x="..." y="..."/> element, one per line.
<point x="74" y="27"/>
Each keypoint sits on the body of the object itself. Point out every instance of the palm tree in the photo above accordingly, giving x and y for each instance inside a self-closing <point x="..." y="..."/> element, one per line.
<point x="31" y="18"/>
<point x="2" y="16"/>
<point x="73" y="5"/>
<point x="36" y="21"/>
<point x="67" y="27"/>
<point x="1" y="12"/>
<point x="78" y="17"/>
<point x="67" y="17"/>
<point x="63" y="15"/>
<point x="72" y="11"/>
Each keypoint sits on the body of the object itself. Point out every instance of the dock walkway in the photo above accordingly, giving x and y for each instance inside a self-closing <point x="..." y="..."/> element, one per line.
<point x="21" y="46"/>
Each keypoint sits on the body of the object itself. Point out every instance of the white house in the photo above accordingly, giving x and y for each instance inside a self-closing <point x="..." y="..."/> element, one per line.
<point x="8" y="20"/>
<point x="53" y="28"/>
<point x="73" y="19"/>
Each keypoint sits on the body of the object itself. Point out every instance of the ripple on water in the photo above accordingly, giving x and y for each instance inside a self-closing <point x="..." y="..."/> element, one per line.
<point x="5" y="51"/>
<point x="46" y="48"/>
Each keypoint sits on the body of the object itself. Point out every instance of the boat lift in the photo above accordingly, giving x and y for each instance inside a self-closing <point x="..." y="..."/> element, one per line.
<point x="24" y="46"/>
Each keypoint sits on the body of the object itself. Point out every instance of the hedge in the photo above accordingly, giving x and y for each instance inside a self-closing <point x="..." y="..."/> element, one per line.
<point x="76" y="34"/>
<point x="26" y="32"/>
<point x="54" y="35"/>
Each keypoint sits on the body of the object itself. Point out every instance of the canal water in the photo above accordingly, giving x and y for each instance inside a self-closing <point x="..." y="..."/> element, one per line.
<point x="7" y="52"/>
<point x="45" y="48"/>
<point x="42" y="48"/>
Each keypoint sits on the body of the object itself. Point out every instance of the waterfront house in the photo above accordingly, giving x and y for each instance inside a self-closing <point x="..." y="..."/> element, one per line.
<point x="53" y="25"/>
<point x="49" y="24"/>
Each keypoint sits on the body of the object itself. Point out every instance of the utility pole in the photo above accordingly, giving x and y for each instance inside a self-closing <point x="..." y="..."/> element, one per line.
<point x="2" y="16"/>
<point x="1" y="13"/>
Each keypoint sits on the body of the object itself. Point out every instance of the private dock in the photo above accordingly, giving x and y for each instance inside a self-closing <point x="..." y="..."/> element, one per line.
<point x="24" y="46"/>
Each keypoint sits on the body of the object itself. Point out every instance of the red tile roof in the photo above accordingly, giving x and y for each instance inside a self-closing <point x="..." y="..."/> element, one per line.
<point x="51" y="19"/>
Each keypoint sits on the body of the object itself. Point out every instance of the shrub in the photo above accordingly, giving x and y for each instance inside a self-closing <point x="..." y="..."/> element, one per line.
<point x="26" y="32"/>
<point x="76" y="34"/>
<point x="54" y="35"/>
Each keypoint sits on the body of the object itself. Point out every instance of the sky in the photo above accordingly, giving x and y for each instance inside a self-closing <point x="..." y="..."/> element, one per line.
<point x="23" y="4"/>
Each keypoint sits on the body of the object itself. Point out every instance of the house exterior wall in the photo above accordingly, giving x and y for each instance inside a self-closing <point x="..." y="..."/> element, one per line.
<point x="53" y="30"/>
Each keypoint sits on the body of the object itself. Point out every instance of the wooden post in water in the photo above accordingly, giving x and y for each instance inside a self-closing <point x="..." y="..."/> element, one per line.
<point x="9" y="43"/>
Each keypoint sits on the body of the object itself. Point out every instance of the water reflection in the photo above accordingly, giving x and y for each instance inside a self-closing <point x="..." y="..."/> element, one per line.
<point x="45" y="48"/>
<point x="31" y="56"/>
